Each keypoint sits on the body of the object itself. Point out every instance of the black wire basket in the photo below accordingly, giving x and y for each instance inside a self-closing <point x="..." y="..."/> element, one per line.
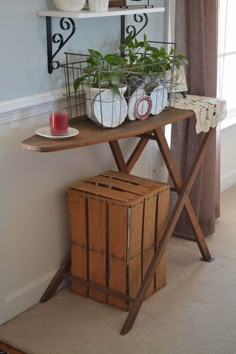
<point x="108" y="95"/>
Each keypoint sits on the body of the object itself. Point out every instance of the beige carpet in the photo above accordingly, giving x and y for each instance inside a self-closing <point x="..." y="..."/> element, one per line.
<point x="194" y="314"/>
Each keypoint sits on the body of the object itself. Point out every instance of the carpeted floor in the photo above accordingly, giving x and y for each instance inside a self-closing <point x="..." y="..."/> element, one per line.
<point x="194" y="314"/>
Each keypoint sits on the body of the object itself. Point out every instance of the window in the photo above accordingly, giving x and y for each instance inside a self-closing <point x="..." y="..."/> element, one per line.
<point x="227" y="58"/>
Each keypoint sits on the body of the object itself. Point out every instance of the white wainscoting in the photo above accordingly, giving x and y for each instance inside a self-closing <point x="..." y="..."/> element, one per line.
<point x="228" y="160"/>
<point x="26" y="107"/>
<point x="21" y="299"/>
<point x="17" y="119"/>
<point x="228" y="180"/>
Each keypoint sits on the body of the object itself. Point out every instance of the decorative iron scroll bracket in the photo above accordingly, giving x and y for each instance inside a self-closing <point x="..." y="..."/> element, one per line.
<point x="66" y="24"/>
<point x="131" y="29"/>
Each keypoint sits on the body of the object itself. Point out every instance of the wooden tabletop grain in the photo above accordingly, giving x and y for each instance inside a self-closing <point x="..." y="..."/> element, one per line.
<point x="91" y="134"/>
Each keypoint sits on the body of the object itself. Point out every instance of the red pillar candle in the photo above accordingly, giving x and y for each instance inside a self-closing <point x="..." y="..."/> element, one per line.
<point x="59" y="123"/>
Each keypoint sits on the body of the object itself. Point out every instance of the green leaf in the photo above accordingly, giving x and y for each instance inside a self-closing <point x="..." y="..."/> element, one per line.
<point x="122" y="47"/>
<point x="78" y="82"/>
<point x="114" y="59"/>
<point x="93" y="61"/>
<point x="114" y="89"/>
<point x="95" y="54"/>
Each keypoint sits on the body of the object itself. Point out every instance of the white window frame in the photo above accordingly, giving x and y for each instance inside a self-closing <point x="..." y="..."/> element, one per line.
<point x="170" y="20"/>
<point x="232" y="121"/>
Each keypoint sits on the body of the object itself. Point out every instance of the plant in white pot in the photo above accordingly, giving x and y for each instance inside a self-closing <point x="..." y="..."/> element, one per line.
<point x="149" y="62"/>
<point x="101" y="81"/>
<point x="151" y="69"/>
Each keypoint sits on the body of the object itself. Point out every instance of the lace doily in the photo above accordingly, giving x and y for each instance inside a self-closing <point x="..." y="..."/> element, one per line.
<point x="209" y="111"/>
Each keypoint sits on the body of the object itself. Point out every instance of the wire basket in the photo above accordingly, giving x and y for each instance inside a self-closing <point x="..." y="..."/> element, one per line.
<point x="108" y="96"/>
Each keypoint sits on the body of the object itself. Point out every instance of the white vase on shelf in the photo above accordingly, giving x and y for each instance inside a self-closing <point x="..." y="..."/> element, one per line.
<point x="70" y="5"/>
<point x="98" y="5"/>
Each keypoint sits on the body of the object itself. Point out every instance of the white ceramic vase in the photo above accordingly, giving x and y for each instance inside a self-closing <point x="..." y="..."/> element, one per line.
<point x="98" y="5"/>
<point x="70" y="5"/>
<point x="90" y="93"/>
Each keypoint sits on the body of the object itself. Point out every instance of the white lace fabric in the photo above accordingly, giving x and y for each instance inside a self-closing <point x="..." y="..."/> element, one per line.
<point x="208" y="111"/>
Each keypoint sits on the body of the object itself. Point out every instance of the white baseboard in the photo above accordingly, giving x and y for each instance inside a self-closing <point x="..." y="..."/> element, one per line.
<point x="23" y="298"/>
<point x="228" y="180"/>
<point x="32" y="105"/>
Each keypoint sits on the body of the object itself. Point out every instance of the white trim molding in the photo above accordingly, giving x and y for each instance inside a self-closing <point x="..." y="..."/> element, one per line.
<point x="32" y="105"/>
<point x="20" y="300"/>
<point x="228" y="180"/>
<point x="227" y="123"/>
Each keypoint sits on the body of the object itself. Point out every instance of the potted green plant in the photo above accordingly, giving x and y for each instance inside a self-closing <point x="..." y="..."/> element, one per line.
<point x="148" y="63"/>
<point x="101" y="72"/>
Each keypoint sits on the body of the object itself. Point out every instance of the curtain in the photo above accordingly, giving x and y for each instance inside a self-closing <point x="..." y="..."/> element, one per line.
<point x="196" y="37"/>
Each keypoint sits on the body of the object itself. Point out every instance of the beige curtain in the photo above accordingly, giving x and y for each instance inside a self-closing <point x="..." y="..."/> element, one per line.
<point x="196" y="37"/>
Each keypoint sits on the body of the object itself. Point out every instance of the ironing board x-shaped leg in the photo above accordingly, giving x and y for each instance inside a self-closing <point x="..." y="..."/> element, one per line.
<point x="183" y="189"/>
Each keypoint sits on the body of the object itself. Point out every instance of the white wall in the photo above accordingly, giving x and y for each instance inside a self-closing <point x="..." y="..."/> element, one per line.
<point x="228" y="160"/>
<point x="34" y="211"/>
<point x="34" y="225"/>
<point x="23" y="66"/>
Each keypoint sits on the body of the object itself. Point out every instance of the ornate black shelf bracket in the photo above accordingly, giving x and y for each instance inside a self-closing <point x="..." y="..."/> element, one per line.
<point x="131" y="29"/>
<point x="142" y="18"/>
<point x="66" y="24"/>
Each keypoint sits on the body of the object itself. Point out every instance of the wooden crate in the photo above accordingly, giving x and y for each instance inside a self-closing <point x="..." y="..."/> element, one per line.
<point x="116" y="223"/>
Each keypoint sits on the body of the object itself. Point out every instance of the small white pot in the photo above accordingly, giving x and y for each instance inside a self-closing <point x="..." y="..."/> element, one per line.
<point x="98" y="5"/>
<point x="90" y="93"/>
<point x="70" y="5"/>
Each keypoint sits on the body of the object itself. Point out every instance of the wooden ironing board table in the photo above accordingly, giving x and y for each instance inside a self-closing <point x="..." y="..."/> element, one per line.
<point x="149" y="129"/>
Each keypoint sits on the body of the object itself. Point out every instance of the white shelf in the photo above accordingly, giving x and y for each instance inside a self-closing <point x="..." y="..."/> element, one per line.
<point x="115" y="11"/>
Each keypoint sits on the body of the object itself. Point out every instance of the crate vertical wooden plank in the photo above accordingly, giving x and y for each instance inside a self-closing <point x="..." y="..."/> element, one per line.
<point x="149" y="222"/>
<point x="162" y="216"/>
<point x="118" y="226"/>
<point x="147" y="257"/>
<point x="135" y="248"/>
<point x="149" y="237"/>
<point x="77" y="207"/>
<point x="77" y="218"/>
<point x="79" y="268"/>
<point x="97" y="246"/>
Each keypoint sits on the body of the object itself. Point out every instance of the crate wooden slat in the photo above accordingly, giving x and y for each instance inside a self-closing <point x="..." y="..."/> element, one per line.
<point x="118" y="218"/>
<point x="148" y="237"/>
<point x="135" y="247"/>
<point x="134" y="179"/>
<point x="116" y="223"/>
<point x="79" y="245"/>
<point x="162" y="214"/>
<point x="119" y="184"/>
<point x="107" y="192"/>
<point x="97" y="246"/>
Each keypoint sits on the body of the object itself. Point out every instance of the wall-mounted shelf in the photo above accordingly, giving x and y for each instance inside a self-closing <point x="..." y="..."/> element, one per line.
<point x="67" y="24"/>
<point x="115" y="11"/>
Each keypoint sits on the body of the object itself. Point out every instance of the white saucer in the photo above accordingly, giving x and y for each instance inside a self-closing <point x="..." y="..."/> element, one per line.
<point x="46" y="133"/>
<point x="109" y="110"/>
<point x="159" y="99"/>
<point x="139" y="93"/>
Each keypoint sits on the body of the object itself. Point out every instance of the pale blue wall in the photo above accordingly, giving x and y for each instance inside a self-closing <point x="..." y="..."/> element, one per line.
<point x="23" y="62"/>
